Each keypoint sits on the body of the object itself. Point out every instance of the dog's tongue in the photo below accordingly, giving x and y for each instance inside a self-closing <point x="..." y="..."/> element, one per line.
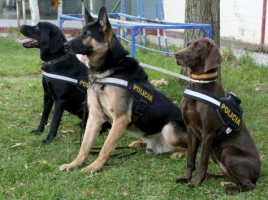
<point x="28" y="43"/>
<point x="23" y="41"/>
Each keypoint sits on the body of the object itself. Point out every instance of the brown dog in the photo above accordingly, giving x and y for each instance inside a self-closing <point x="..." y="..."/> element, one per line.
<point x="236" y="154"/>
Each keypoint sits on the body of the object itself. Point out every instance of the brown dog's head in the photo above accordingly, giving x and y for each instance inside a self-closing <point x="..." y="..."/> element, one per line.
<point x="201" y="55"/>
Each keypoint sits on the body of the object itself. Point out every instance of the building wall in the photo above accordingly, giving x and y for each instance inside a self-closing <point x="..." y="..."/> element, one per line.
<point x="240" y="19"/>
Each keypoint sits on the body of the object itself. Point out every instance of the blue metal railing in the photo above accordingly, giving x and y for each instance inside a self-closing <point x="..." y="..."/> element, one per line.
<point x="136" y="25"/>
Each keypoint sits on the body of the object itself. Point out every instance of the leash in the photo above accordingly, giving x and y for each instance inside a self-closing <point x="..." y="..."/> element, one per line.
<point x="117" y="81"/>
<point x="117" y="155"/>
<point x="51" y="62"/>
<point x="180" y="76"/>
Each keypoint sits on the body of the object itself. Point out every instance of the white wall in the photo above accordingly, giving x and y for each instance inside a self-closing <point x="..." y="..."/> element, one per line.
<point x="174" y="10"/>
<point x="240" y="19"/>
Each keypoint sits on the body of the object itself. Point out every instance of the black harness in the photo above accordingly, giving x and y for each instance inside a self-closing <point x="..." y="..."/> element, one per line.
<point x="82" y="82"/>
<point x="228" y="109"/>
<point x="142" y="93"/>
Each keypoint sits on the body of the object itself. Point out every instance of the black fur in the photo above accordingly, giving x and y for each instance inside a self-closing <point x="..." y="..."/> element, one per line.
<point x="63" y="95"/>
<point x="137" y="107"/>
<point x="116" y="61"/>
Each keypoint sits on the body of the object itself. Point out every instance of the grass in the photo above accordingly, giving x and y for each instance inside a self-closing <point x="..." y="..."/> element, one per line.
<point x="29" y="169"/>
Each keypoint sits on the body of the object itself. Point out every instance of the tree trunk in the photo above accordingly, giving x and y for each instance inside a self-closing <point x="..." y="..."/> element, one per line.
<point x="202" y="12"/>
<point x="34" y="11"/>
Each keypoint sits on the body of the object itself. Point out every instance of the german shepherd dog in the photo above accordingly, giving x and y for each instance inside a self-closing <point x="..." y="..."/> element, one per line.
<point x="136" y="107"/>
<point x="63" y="94"/>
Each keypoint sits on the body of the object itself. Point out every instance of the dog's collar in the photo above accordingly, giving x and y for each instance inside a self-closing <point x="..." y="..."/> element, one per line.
<point x="203" y="78"/>
<point x="51" y="62"/>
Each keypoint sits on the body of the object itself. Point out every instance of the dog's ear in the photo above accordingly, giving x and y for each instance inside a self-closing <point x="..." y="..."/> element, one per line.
<point x="88" y="17"/>
<point x="44" y="41"/>
<point x="56" y="43"/>
<point x="213" y="59"/>
<point x="103" y="19"/>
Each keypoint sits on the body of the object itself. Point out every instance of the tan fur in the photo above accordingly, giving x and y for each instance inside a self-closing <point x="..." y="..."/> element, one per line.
<point x="179" y="154"/>
<point x="137" y="144"/>
<point x="96" y="59"/>
<point x="114" y="104"/>
<point x="95" y="120"/>
<point x="120" y="116"/>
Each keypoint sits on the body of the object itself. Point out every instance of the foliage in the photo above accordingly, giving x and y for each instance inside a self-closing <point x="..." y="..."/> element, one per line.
<point x="29" y="169"/>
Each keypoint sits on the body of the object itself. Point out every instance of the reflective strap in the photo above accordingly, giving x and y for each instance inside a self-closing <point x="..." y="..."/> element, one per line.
<point x="202" y="96"/>
<point x="59" y="77"/>
<point x="202" y="81"/>
<point x="114" y="81"/>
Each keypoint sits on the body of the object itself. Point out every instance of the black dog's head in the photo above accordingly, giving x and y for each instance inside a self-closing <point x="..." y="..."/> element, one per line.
<point x="45" y="36"/>
<point x="96" y="40"/>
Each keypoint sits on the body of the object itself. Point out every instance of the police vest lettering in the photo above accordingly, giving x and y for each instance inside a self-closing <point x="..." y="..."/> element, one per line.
<point x="143" y="92"/>
<point x="231" y="115"/>
<point x="84" y="84"/>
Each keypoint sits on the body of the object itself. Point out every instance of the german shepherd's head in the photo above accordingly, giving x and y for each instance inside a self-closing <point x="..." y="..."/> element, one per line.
<point x="98" y="42"/>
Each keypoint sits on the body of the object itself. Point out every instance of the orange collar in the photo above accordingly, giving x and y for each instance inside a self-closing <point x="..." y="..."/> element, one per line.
<point x="209" y="76"/>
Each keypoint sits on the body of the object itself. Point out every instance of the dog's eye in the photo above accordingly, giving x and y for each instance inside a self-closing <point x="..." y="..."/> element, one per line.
<point x="88" y="33"/>
<point x="196" y="45"/>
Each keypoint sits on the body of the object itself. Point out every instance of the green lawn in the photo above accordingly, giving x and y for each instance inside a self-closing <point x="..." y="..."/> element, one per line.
<point x="29" y="169"/>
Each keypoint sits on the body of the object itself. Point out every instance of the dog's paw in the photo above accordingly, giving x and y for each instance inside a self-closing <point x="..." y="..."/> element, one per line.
<point x="178" y="154"/>
<point x="186" y="178"/>
<point x="66" y="167"/>
<point x="137" y="144"/>
<point x="91" y="168"/>
<point x="232" y="190"/>
<point x="47" y="140"/>
<point x="197" y="181"/>
<point x="37" y="131"/>
<point x="182" y="180"/>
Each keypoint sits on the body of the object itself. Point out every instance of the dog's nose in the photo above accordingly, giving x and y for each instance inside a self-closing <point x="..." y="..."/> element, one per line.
<point x="22" y="27"/>
<point x="177" y="56"/>
<point x="66" y="46"/>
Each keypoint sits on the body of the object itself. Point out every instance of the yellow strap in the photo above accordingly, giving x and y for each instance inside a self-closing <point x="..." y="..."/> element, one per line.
<point x="204" y="76"/>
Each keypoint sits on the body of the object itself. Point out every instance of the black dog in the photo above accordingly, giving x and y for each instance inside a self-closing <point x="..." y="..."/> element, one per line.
<point x="121" y="94"/>
<point x="60" y="73"/>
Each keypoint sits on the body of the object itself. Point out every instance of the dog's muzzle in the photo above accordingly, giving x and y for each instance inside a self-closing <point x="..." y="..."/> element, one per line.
<point x="67" y="47"/>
